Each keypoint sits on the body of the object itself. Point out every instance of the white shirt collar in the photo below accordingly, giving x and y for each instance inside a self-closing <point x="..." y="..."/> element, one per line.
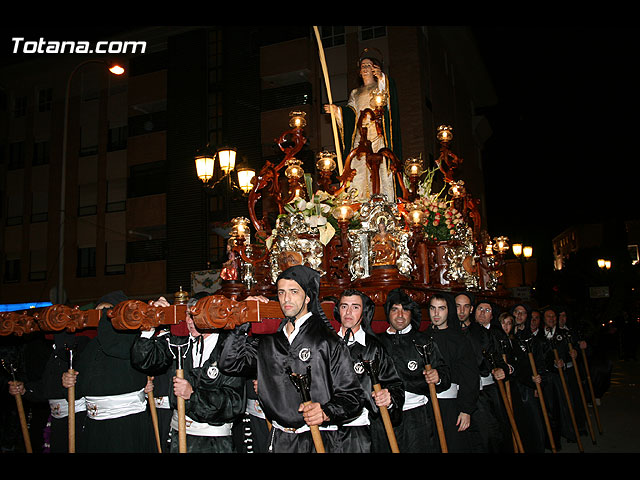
<point x="296" y="326"/>
<point x="208" y="344"/>
<point x="401" y="332"/>
<point x="358" y="336"/>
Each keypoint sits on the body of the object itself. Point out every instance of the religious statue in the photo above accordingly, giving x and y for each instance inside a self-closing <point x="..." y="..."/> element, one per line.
<point x="379" y="122"/>
<point x="383" y="246"/>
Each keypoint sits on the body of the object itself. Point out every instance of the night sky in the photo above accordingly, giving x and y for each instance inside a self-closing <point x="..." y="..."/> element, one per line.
<point x="564" y="147"/>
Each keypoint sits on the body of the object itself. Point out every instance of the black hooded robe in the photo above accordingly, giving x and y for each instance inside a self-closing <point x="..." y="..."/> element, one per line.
<point x="417" y="432"/>
<point x="374" y="437"/>
<point x="217" y="399"/>
<point x="105" y="370"/>
<point x="458" y="354"/>
<point x="318" y="351"/>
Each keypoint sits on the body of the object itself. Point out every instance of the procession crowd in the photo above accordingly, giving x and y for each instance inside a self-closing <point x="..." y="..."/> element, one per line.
<point x="471" y="378"/>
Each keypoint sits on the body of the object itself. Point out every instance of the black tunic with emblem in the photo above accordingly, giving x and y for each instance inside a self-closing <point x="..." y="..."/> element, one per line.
<point x="382" y="364"/>
<point x="316" y="352"/>
<point x="217" y="398"/>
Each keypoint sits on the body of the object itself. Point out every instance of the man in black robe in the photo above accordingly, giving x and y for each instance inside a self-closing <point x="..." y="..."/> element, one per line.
<point x="116" y="420"/>
<point x="305" y="347"/>
<point x="403" y="341"/>
<point x="553" y="338"/>
<point x="48" y="388"/>
<point x="486" y="432"/>
<point x="354" y="311"/>
<point x="213" y="401"/>
<point x="458" y="403"/>
<point x="493" y="368"/>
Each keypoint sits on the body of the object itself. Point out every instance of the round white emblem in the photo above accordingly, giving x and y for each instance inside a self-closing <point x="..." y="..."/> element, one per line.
<point x="412" y="365"/>
<point x="358" y="368"/>
<point x="304" y="354"/>
<point x="213" y="372"/>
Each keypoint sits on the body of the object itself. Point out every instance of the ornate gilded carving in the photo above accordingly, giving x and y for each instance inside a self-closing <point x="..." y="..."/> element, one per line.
<point x="295" y="243"/>
<point x="381" y="231"/>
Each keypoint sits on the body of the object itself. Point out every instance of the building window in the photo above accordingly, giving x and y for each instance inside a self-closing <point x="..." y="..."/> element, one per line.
<point x="19" y="107"/>
<point x="39" y="206"/>
<point x="88" y="142"/>
<point x="16" y="155"/>
<point x="11" y="270"/>
<point x="45" y="99"/>
<point x="14" y="209"/>
<point x="116" y="253"/>
<point x="86" y="262"/>
<point x="117" y="138"/>
<point x="116" y="195"/>
<point x="38" y="265"/>
<point x="370" y="32"/>
<point x="146" y="250"/>
<point x="288" y="96"/>
<point x="87" y="199"/>
<point x="147" y="123"/>
<point x="147" y="179"/>
<point x="40" y="153"/>
<point x="332" y="36"/>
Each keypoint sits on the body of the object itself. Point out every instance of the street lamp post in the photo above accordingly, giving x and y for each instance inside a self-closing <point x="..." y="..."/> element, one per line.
<point x="116" y="70"/>
<point x="523" y="253"/>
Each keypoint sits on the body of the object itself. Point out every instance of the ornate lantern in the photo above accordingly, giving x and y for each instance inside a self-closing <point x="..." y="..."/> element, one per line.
<point x="297" y="119"/>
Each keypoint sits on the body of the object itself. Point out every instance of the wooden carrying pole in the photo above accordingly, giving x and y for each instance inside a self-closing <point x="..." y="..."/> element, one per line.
<point x="154" y="418"/>
<point x="425" y="353"/>
<point x="568" y="399"/>
<point x="582" y="396"/>
<point x="302" y="383"/>
<point x="545" y="414"/>
<point x="23" y="424"/>
<point x="512" y="420"/>
<point x="371" y="367"/>
<point x="437" y="414"/>
<point x="593" y="396"/>
<point x="388" y="426"/>
<point x="182" y="421"/>
<point x="316" y="435"/>
<point x="20" y="407"/>
<point x="71" y="400"/>
<point x="516" y="447"/>
<point x="325" y="72"/>
<point x="181" y="407"/>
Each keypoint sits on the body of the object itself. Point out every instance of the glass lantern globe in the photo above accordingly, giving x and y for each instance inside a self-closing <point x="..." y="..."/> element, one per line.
<point x="294" y="168"/>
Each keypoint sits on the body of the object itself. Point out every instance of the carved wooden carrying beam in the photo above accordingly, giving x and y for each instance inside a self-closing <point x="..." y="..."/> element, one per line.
<point x="214" y="311"/>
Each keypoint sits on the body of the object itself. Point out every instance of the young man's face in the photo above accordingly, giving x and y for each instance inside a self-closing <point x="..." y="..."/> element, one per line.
<point x="463" y="308"/>
<point x="520" y="314"/>
<point x="438" y="312"/>
<point x="293" y="300"/>
<point x="399" y="318"/>
<point x="562" y="319"/>
<point x="535" y="321"/>
<point x="350" y="308"/>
